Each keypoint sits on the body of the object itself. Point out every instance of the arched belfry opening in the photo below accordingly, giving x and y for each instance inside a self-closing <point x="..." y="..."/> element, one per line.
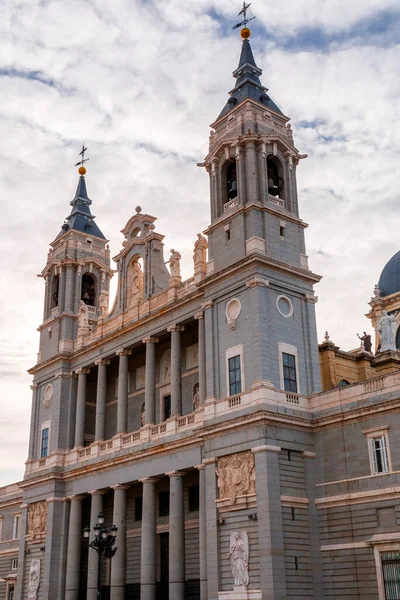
<point x="231" y="180"/>
<point x="88" y="291"/>
<point x="276" y="182"/>
<point x="398" y="339"/>
<point x="55" y="284"/>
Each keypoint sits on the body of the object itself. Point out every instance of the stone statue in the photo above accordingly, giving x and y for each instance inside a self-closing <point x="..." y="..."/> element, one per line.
<point x="236" y="475"/>
<point x="34" y="579"/>
<point x="366" y="343"/>
<point x="196" y="397"/>
<point x="387" y="329"/>
<point x="200" y="254"/>
<point x="239" y="555"/>
<point x="37" y="518"/>
<point x="142" y="413"/>
<point x="83" y="315"/>
<point x="137" y="284"/>
<point x="166" y="367"/>
<point x="174" y="263"/>
<point x="103" y="304"/>
<point x="377" y="291"/>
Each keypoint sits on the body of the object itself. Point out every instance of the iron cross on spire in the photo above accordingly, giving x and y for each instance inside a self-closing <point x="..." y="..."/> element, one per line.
<point x="244" y="13"/>
<point x="82" y="154"/>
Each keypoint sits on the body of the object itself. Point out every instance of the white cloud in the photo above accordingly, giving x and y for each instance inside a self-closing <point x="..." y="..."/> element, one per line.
<point x="141" y="83"/>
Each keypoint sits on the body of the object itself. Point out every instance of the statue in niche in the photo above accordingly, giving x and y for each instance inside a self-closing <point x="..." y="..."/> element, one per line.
<point x="142" y="413"/>
<point x="174" y="263"/>
<point x="83" y="315"/>
<point x="34" y="579"/>
<point x="37" y="518"/>
<point x="366" y="343"/>
<point x="387" y="329"/>
<point x="200" y="253"/>
<point x="236" y="475"/>
<point x="239" y="555"/>
<point x="196" y="397"/>
<point x="166" y="367"/>
<point x="103" y="304"/>
<point x="137" y="284"/>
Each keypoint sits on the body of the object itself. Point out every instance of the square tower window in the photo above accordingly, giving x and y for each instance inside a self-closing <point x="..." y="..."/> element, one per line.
<point x="16" y="524"/>
<point x="289" y="372"/>
<point x="44" y="447"/>
<point x="235" y="376"/>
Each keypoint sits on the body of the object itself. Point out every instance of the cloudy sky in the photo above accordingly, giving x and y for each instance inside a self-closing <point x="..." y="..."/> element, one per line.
<point x="140" y="82"/>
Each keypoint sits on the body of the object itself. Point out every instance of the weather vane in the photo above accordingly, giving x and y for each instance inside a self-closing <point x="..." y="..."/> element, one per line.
<point x="244" y="13"/>
<point x="82" y="153"/>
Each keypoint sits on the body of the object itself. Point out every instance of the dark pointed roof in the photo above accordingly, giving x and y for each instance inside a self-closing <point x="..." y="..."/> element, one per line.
<point x="81" y="219"/>
<point x="248" y="84"/>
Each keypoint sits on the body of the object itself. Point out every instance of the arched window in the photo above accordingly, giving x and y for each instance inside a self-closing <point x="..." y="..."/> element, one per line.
<point x="275" y="177"/>
<point x="231" y="181"/>
<point x="54" y="291"/>
<point x="343" y="383"/>
<point x="88" y="292"/>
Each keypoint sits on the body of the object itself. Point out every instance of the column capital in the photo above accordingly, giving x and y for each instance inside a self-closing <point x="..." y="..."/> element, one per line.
<point x="199" y="315"/>
<point x="266" y="448"/>
<point x="34" y="387"/>
<point x="200" y="467"/>
<point x="148" y="480"/>
<point x="176" y="473"/>
<point x="175" y="327"/>
<point x="120" y="486"/>
<point x="102" y="361"/>
<point x="97" y="492"/>
<point x="207" y="304"/>
<point x="209" y="461"/>
<point x="307" y="454"/>
<point x="82" y="371"/>
<point x="257" y="281"/>
<point x="149" y="339"/>
<point x="76" y="497"/>
<point x="123" y="352"/>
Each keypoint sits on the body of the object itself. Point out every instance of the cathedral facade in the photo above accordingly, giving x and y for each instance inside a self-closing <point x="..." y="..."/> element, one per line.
<point x="235" y="458"/>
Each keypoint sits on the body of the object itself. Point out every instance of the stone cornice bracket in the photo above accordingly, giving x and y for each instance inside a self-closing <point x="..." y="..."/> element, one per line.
<point x="199" y="315"/>
<point x="102" y="361"/>
<point x="176" y="473"/>
<point x="200" y="467"/>
<point x="209" y="461"/>
<point x="97" y="492"/>
<point x="149" y="339"/>
<point x="120" y="486"/>
<point x="149" y="480"/>
<point x="82" y="370"/>
<point x="34" y="387"/>
<point x="257" y="280"/>
<point x="176" y="328"/>
<point x="65" y="374"/>
<point x="311" y="298"/>
<point x="266" y="448"/>
<point x="124" y="352"/>
<point x="207" y="304"/>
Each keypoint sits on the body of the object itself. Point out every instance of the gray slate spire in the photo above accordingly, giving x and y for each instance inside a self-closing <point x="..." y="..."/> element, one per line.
<point x="248" y="84"/>
<point x="81" y="219"/>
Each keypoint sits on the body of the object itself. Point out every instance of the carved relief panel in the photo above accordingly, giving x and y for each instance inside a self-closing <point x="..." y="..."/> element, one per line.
<point x="236" y="475"/>
<point x="37" y="518"/>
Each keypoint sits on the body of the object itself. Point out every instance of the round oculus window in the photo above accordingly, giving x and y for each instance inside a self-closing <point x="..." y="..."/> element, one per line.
<point x="284" y="306"/>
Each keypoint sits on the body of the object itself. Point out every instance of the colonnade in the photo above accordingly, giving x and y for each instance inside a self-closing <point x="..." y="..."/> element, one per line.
<point x="150" y="384"/>
<point x="148" y="573"/>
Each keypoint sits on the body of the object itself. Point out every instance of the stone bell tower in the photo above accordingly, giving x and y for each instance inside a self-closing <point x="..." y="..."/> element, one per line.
<point x="77" y="271"/>
<point x="252" y="167"/>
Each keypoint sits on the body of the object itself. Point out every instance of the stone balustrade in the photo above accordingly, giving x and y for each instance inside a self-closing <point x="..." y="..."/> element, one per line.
<point x="276" y="200"/>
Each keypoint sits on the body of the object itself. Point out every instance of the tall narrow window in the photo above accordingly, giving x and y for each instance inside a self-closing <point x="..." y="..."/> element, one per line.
<point x="10" y="593"/>
<point x="16" y="527"/>
<point x="379" y="455"/>
<point x="88" y="293"/>
<point x="54" y="291"/>
<point x="289" y="372"/>
<point x="235" y="377"/>
<point x="231" y="181"/>
<point x="44" y="447"/>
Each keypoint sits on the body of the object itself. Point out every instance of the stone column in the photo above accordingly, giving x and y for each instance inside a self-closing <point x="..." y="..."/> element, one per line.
<point x="150" y="380"/>
<point x="148" y="573"/>
<point x="202" y="533"/>
<point x="176" y="536"/>
<point x="269" y="523"/>
<point x="251" y="173"/>
<point x="211" y="366"/>
<point x="69" y="288"/>
<point x="101" y="399"/>
<point x="61" y="290"/>
<point x="122" y="414"/>
<point x="176" y="375"/>
<point x="22" y="556"/>
<point x="80" y="408"/>
<point x="202" y="356"/>
<point x="118" y="563"/>
<point x="47" y="301"/>
<point x="54" y="563"/>
<point x="78" y="288"/>
<point x="213" y="557"/>
<point x="93" y="559"/>
<point x="74" y="549"/>
<point x="33" y="428"/>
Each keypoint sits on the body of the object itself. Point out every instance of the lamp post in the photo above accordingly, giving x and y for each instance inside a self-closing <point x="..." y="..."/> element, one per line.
<point x="104" y="540"/>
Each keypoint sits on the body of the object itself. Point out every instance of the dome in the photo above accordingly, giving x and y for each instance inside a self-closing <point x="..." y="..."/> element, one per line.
<point x="389" y="281"/>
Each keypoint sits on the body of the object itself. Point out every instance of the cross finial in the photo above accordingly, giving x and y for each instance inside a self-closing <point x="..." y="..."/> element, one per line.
<point x="243" y="12"/>
<point x="82" y="154"/>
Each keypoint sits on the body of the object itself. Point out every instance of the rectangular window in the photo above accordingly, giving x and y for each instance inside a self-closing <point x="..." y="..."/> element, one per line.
<point x="163" y="504"/>
<point x="193" y="498"/>
<point x="379" y="455"/>
<point x="289" y="372"/>
<point x="138" y="508"/>
<point x="14" y="564"/>
<point x="44" y="448"/>
<point x="391" y="574"/>
<point x="10" y="593"/>
<point x="235" y="377"/>
<point x="16" y="527"/>
<point x="167" y="407"/>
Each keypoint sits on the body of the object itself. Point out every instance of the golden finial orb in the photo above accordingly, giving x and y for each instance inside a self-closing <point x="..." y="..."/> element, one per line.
<point x="82" y="171"/>
<point x="245" y="33"/>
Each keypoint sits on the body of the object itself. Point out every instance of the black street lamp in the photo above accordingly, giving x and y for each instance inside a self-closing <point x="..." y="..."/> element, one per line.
<point x="104" y="540"/>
